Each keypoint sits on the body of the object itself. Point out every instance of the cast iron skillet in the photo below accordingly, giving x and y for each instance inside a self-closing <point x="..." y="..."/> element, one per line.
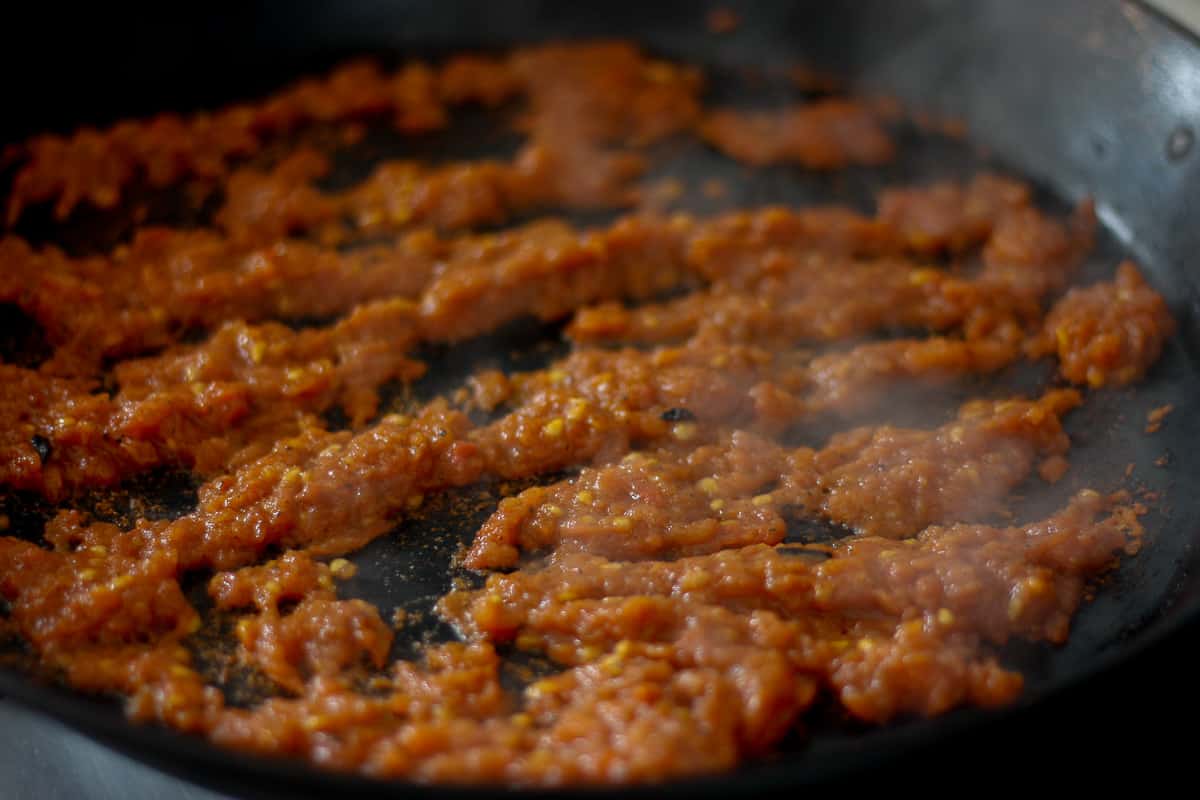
<point x="1081" y="96"/>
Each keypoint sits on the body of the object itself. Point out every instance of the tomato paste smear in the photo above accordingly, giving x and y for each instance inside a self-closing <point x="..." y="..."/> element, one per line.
<point x="647" y="556"/>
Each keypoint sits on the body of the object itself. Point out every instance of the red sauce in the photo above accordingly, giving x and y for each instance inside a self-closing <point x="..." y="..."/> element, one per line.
<point x="689" y="634"/>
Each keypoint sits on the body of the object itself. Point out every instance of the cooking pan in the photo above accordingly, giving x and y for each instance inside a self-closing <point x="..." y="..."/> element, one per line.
<point x="1083" y="97"/>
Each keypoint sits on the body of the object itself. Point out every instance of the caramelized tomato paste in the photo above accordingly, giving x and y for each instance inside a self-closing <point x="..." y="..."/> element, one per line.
<point x="688" y="634"/>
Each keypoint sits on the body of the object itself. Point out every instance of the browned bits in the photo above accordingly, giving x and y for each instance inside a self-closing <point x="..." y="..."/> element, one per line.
<point x="1107" y="334"/>
<point x="1156" y="417"/>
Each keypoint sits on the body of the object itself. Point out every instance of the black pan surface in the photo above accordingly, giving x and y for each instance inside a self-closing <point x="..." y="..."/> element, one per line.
<point x="1085" y="98"/>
